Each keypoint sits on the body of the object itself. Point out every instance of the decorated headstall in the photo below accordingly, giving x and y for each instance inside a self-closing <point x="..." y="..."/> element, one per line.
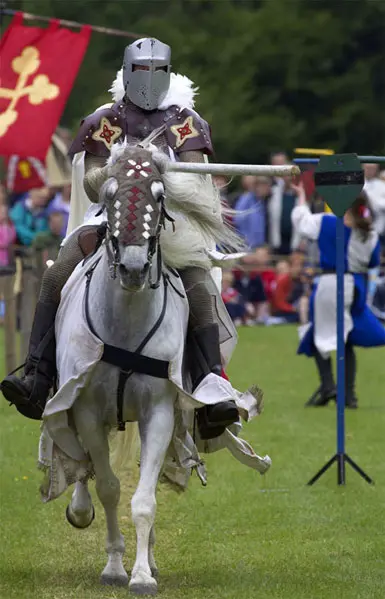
<point x="134" y="200"/>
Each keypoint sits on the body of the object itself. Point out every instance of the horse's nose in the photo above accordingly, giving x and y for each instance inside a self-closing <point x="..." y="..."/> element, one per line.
<point x="133" y="272"/>
<point x="123" y="270"/>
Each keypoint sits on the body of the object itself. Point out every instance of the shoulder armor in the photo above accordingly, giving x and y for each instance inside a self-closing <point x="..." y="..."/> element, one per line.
<point x="98" y="132"/>
<point x="187" y="131"/>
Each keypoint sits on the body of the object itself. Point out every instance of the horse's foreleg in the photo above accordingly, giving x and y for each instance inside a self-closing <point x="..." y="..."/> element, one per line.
<point x="80" y="511"/>
<point x="155" y="432"/>
<point x="151" y="558"/>
<point x="108" y="490"/>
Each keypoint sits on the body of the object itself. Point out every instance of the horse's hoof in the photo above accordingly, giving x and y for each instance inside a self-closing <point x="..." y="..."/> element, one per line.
<point x="117" y="580"/>
<point x="70" y="518"/>
<point x="143" y="584"/>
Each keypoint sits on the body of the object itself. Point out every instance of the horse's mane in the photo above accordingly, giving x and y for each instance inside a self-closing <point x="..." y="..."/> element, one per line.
<point x="192" y="196"/>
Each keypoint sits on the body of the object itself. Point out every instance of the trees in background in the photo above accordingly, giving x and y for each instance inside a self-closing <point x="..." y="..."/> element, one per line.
<point x="273" y="74"/>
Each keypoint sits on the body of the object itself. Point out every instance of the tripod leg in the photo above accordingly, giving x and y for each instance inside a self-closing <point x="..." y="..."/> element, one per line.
<point x="358" y="469"/>
<point x="341" y="468"/>
<point x="323" y="469"/>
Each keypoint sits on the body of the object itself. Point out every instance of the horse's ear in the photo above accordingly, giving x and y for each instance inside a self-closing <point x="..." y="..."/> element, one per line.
<point x="108" y="189"/>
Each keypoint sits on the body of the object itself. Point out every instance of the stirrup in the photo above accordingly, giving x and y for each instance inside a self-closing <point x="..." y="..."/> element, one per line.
<point x="209" y="429"/>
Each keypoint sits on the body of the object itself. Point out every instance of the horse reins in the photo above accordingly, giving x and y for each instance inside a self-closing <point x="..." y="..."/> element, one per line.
<point x="130" y="362"/>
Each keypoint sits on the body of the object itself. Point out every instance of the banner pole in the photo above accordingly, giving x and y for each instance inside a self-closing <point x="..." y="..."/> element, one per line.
<point x="107" y="30"/>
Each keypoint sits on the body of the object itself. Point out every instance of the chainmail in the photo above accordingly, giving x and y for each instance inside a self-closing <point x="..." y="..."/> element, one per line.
<point x="194" y="278"/>
<point x="95" y="175"/>
<point x="57" y="275"/>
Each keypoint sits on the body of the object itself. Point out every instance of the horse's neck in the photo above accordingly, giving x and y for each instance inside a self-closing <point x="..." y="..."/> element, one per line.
<point x="122" y="318"/>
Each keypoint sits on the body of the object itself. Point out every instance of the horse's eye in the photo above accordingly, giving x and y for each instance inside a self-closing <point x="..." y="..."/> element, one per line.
<point x="157" y="190"/>
<point x="110" y="188"/>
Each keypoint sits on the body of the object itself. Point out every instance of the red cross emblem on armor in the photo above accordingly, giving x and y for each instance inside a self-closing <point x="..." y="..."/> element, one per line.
<point x="107" y="133"/>
<point x="184" y="131"/>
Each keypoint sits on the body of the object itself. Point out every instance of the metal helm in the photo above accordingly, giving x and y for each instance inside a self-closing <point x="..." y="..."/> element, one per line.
<point x="146" y="72"/>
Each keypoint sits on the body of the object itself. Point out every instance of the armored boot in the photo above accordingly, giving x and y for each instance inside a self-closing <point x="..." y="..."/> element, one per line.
<point x="212" y="420"/>
<point x="29" y="394"/>
<point x="350" y="377"/>
<point x="327" y="390"/>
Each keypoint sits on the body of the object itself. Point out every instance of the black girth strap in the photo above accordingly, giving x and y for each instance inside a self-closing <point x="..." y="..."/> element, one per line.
<point x="129" y="362"/>
<point x="134" y="361"/>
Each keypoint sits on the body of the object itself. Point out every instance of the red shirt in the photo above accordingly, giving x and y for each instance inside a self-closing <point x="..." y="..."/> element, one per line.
<point x="281" y="293"/>
<point x="230" y="296"/>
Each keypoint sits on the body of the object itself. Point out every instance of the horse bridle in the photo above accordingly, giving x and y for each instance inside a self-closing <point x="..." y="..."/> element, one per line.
<point x="153" y="247"/>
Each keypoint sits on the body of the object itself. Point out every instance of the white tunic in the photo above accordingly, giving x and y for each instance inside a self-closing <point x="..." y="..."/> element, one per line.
<point x="357" y="258"/>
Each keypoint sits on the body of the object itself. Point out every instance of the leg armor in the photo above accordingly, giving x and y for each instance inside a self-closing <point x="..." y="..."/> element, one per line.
<point x="205" y="356"/>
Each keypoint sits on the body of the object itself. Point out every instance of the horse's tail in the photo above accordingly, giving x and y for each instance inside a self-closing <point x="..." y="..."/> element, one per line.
<point x="125" y="448"/>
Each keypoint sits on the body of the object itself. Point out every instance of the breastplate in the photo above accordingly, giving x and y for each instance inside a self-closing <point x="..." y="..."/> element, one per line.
<point x="140" y="123"/>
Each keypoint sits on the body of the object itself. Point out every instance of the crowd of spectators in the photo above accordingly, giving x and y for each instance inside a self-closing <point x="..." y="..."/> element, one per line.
<point x="270" y="285"/>
<point x="273" y="283"/>
<point x="37" y="219"/>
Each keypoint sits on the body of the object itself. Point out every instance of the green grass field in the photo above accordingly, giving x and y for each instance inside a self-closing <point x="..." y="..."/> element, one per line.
<point x="242" y="537"/>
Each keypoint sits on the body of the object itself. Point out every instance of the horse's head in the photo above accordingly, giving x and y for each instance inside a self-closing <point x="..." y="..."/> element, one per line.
<point x="133" y="196"/>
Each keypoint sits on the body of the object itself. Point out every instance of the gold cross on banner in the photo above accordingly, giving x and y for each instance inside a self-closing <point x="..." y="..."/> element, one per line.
<point x="39" y="90"/>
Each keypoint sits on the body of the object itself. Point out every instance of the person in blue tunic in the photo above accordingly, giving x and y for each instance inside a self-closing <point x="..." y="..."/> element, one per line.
<point x="361" y="327"/>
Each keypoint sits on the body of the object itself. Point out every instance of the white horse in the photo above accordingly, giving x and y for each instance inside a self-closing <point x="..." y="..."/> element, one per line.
<point x="141" y="309"/>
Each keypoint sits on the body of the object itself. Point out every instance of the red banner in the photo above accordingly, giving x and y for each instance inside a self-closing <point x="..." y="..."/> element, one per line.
<point x="38" y="68"/>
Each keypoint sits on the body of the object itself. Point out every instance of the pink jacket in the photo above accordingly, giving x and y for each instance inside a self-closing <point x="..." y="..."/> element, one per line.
<point x="7" y="237"/>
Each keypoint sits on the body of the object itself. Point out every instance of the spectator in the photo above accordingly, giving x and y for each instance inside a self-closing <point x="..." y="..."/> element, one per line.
<point x="7" y="235"/>
<point x="232" y="299"/>
<point x="288" y="291"/>
<point x="266" y="272"/>
<point x="250" y="220"/>
<point x="61" y="203"/>
<point x="282" y="237"/>
<point x="279" y="158"/>
<point x="307" y="280"/>
<point x="260" y="285"/>
<point x="29" y="215"/>
<point x="221" y="183"/>
<point x="375" y="190"/>
<point x="51" y="239"/>
<point x="250" y="289"/>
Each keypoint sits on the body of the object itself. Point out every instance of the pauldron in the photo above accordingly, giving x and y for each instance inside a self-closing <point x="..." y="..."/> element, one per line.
<point x="185" y="129"/>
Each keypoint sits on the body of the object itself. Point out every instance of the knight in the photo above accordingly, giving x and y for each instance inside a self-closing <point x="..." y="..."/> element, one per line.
<point x="147" y="103"/>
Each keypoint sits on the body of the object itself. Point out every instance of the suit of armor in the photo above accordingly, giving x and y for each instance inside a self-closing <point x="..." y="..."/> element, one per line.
<point x="186" y="137"/>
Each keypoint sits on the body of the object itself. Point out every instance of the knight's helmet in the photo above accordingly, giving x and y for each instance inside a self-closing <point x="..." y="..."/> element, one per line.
<point x="146" y="72"/>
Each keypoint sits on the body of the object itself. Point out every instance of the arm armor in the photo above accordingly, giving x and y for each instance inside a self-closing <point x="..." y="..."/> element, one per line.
<point x="95" y="173"/>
